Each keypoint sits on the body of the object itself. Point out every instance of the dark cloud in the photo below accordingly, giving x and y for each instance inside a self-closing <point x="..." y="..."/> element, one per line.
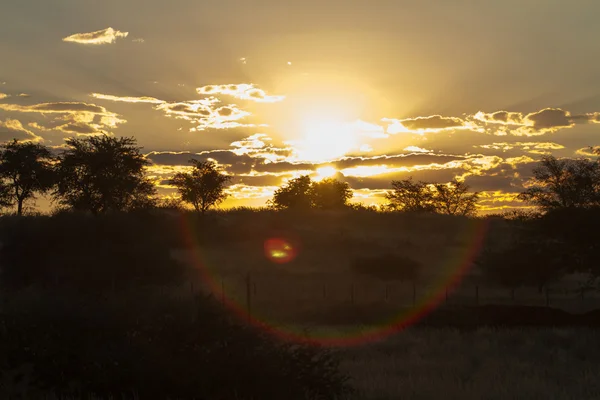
<point x="13" y="129"/>
<point x="550" y="118"/>
<point x="384" y="181"/>
<point x="432" y="122"/>
<point x="80" y="128"/>
<point x="58" y="107"/>
<point x="233" y="163"/>
<point x="225" y="111"/>
<point x="401" y="160"/>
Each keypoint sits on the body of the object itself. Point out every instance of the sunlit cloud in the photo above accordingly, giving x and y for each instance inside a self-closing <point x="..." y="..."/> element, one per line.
<point x="127" y="99"/>
<point x="416" y="149"/>
<point x="423" y="125"/>
<point x="14" y="129"/>
<point x="530" y="147"/>
<point x="588" y="151"/>
<point x="104" y="36"/>
<point x="242" y="91"/>
<point x="536" y="123"/>
<point x="207" y="113"/>
<point x="3" y="96"/>
<point x="71" y="117"/>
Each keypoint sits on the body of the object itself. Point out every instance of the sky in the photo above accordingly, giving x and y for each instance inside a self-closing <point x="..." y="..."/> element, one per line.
<point x="363" y="91"/>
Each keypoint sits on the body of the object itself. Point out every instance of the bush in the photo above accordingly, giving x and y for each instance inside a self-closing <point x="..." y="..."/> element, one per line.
<point x="85" y="252"/>
<point x="157" y="347"/>
<point x="387" y="266"/>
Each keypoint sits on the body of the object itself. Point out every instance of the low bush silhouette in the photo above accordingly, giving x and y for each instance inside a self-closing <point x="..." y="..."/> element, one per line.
<point x="387" y="266"/>
<point x="81" y="252"/>
<point x="156" y="347"/>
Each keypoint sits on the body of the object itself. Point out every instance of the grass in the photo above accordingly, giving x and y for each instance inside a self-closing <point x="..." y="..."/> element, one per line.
<point x="422" y="363"/>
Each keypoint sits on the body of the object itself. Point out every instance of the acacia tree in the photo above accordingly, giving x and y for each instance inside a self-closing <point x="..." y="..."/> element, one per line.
<point x="102" y="173"/>
<point x="454" y="198"/>
<point x="330" y="194"/>
<point x="5" y="197"/>
<point x="411" y="196"/>
<point x="296" y="194"/>
<point x="302" y="194"/>
<point x="560" y="184"/>
<point x="26" y="169"/>
<point x="203" y="187"/>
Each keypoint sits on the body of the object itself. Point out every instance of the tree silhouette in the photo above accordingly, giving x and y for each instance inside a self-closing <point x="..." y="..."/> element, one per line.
<point x="411" y="196"/>
<point x="296" y="194"/>
<point x="532" y="259"/>
<point x="302" y="194"/>
<point x="101" y="174"/>
<point x="454" y="198"/>
<point x="330" y="194"/>
<point x="5" y="196"/>
<point x="26" y="168"/>
<point x="564" y="184"/>
<point x="204" y="187"/>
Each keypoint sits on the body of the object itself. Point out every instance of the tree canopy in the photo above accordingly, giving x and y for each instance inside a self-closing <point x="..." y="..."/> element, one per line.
<point x="302" y="194"/>
<point x="564" y="183"/>
<point x="203" y="187"/>
<point x="102" y="173"/>
<point x="452" y="198"/>
<point x="26" y="169"/>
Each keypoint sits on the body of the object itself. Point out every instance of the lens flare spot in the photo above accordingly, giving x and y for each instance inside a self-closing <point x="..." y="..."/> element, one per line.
<point x="279" y="251"/>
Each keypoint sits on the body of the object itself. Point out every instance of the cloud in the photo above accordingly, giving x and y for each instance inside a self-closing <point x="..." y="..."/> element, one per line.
<point x="3" y="96"/>
<point x="530" y="147"/>
<point x="499" y="123"/>
<point x="70" y="117"/>
<point x="14" y="129"/>
<point x="416" y="149"/>
<point x="105" y="36"/>
<point x="422" y="125"/>
<point x="537" y="123"/>
<point x="592" y="151"/>
<point x="204" y="113"/>
<point x="242" y="91"/>
<point x="127" y="99"/>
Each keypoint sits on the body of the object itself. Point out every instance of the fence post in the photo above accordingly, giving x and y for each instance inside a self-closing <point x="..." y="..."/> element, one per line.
<point x="324" y="290"/>
<point x="249" y="295"/>
<point x="222" y="291"/>
<point x="192" y="287"/>
<point x="414" y="299"/>
<point x="352" y="293"/>
<point x="387" y="292"/>
<point x="446" y="294"/>
<point x="477" y="294"/>
<point x="512" y="294"/>
<point x="582" y="293"/>
<point x="254" y="288"/>
<point x="547" y="297"/>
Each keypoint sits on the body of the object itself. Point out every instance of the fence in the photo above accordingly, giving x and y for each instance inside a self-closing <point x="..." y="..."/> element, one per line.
<point x="287" y="295"/>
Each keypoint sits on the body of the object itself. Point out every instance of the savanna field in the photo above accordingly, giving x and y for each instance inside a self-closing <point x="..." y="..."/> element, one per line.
<point x="174" y="305"/>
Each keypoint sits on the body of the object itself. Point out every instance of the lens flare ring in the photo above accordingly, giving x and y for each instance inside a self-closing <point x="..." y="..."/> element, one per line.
<point x="281" y="251"/>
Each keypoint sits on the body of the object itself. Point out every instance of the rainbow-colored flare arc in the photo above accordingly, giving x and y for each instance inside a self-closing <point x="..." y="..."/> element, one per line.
<point x="279" y="250"/>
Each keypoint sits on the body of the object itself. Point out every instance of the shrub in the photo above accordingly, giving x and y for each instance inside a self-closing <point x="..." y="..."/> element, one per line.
<point x="85" y="252"/>
<point x="387" y="266"/>
<point x="158" y="347"/>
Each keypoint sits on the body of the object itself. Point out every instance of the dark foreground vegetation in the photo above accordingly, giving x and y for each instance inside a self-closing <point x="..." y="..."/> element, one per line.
<point x="92" y="300"/>
<point x="87" y="305"/>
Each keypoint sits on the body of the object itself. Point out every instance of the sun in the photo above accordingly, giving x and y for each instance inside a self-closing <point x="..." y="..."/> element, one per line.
<point x="325" y="172"/>
<point x="325" y="138"/>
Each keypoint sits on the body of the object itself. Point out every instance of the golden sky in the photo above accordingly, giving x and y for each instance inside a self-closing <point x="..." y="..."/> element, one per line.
<point x="364" y="91"/>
